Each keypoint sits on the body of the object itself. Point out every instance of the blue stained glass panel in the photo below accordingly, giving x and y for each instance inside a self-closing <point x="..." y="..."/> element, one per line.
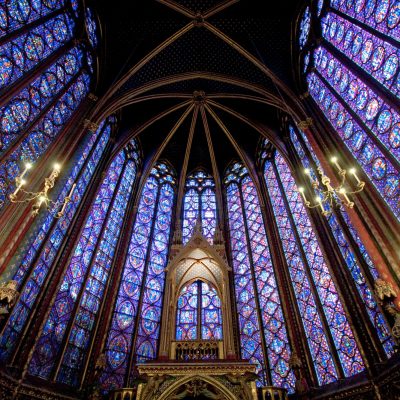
<point x="314" y="330"/>
<point x="382" y="120"/>
<point x="120" y="334"/>
<point x="15" y="14"/>
<point x="364" y="150"/>
<point x="81" y="174"/>
<point x="48" y="346"/>
<point x="42" y="135"/>
<point x="249" y="325"/>
<point x="20" y="55"/>
<point x="378" y="58"/>
<point x="382" y="15"/>
<point x="342" y="334"/>
<point x="348" y="254"/>
<point x="22" y="109"/>
<point x="150" y="313"/>
<point x="85" y="317"/>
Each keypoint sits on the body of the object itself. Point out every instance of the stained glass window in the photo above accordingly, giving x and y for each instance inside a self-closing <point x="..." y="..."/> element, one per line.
<point x="305" y="25"/>
<point x="33" y="271"/>
<point x="199" y="205"/>
<point x="91" y="27"/>
<point x="142" y="281"/>
<point x="16" y="14"/>
<point x="74" y="312"/>
<point x="42" y="134"/>
<point x="355" y="67"/>
<point x="301" y="144"/>
<point x="258" y="300"/>
<point x="198" y="313"/>
<point x="20" y="55"/>
<point x="383" y="16"/>
<point x="49" y="89"/>
<point x="312" y="282"/>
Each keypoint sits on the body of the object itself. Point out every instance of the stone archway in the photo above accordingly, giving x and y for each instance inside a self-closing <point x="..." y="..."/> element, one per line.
<point x="198" y="388"/>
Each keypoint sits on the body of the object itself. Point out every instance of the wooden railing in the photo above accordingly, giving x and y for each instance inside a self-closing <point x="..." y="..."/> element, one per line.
<point x="188" y="350"/>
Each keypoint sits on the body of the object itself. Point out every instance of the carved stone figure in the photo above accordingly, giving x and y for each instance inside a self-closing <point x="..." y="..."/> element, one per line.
<point x="153" y="383"/>
<point x="8" y="297"/>
<point x="243" y="381"/>
<point x="196" y="388"/>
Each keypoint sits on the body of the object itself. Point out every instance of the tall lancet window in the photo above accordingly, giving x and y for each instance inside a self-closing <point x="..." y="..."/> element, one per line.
<point x="198" y="313"/>
<point x="33" y="271"/>
<point x="137" y="311"/>
<point x="64" y="342"/>
<point x="348" y="245"/>
<point x="326" y="326"/>
<point x="44" y="76"/>
<point x="263" y="332"/>
<point x="199" y="204"/>
<point x="352" y="77"/>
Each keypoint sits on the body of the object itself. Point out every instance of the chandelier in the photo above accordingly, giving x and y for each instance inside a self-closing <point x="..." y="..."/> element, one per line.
<point x="40" y="198"/>
<point x="329" y="196"/>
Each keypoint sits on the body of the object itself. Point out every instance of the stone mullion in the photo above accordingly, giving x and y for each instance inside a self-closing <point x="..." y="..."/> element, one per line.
<point x="372" y="213"/>
<point x="111" y="293"/>
<point x="364" y="332"/>
<point x="325" y="325"/>
<point x="177" y="223"/>
<point x="132" y="354"/>
<point x="49" y="290"/>
<point x="199" y="298"/>
<point x="289" y="304"/>
<point x="254" y="280"/>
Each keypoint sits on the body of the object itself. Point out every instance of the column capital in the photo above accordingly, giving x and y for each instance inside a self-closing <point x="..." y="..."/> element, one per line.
<point x="305" y="124"/>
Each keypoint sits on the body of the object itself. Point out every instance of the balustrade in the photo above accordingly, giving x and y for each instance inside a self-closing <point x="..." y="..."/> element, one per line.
<point x="188" y="350"/>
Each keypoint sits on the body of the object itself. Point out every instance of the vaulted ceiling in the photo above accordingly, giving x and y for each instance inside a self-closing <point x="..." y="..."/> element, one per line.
<point x="230" y="59"/>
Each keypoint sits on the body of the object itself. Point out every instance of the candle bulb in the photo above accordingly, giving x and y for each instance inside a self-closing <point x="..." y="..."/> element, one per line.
<point x="353" y="171"/>
<point x="27" y="167"/>
<point x="72" y="190"/>
<point x="319" y="201"/>
<point x="20" y="182"/>
<point x="335" y="161"/>
<point x="342" y="191"/>
<point x="301" y="191"/>
<point x="66" y="201"/>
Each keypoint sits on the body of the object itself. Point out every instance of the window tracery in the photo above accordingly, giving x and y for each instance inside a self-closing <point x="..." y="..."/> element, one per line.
<point x="199" y="203"/>
<point x="199" y="313"/>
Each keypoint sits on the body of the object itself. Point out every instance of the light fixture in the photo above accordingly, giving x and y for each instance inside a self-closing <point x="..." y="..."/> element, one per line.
<point x="328" y="195"/>
<point x="42" y="197"/>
